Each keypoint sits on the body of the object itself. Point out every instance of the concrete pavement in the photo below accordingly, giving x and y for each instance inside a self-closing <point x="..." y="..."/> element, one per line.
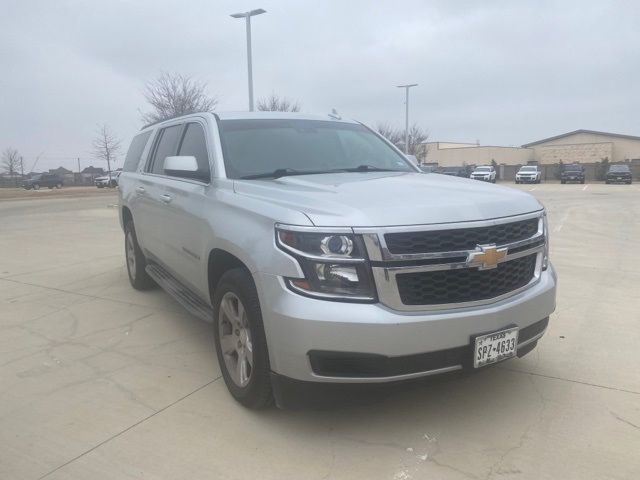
<point x="103" y="382"/>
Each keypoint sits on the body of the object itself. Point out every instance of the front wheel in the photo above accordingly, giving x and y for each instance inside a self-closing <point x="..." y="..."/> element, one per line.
<point x="136" y="261"/>
<point x="240" y="341"/>
<point x="36" y="187"/>
<point x="58" y="186"/>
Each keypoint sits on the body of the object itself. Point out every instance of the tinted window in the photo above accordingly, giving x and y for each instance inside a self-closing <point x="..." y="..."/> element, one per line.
<point x="195" y="145"/>
<point x="253" y="147"/>
<point x="573" y="168"/>
<point x="619" y="168"/>
<point x="166" y="147"/>
<point x="135" y="152"/>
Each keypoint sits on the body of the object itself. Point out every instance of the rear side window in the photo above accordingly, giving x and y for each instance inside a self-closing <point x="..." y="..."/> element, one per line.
<point x="165" y="147"/>
<point x="195" y="145"/>
<point x="135" y="152"/>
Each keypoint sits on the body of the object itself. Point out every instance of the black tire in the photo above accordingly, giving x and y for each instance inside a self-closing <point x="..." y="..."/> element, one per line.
<point x="563" y="182"/>
<point x="257" y="393"/>
<point x="100" y="186"/>
<point x="36" y="186"/>
<point x="138" y="276"/>
<point x="58" y="186"/>
<point x="607" y="182"/>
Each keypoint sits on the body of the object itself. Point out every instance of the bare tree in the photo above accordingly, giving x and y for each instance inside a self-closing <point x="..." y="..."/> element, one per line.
<point x="417" y="137"/>
<point x="11" y="160"/>
<point x="392" y="134"/>
<point x="106" y="145"/>
<point x="172" y="95"/>
<point x="276" y="103"/>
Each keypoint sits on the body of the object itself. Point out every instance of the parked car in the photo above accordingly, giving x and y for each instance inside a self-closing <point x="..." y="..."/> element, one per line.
<point x="619" y="174"/>
<point x="529" y="174"/>
<point x="344" y="264"/>
<point x="486" y="173"/>
<point x="43" y="180"/>
<point x="108" y="180"/>
<point x="463" y="172"/>
<point x="572" y="173"/>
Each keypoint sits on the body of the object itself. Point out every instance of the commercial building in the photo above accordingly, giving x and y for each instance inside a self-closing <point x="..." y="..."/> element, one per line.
<point x="588" y="147"/>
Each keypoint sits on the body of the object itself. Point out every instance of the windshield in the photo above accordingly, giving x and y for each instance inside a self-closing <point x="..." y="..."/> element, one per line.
<point x="528" y="169"/>
<point x="259" y="147"/>
<point x="573" y="168"/>
<point x="483" y="169"/>
<point x="36" y="177"/>
<point x="619" y="168"/>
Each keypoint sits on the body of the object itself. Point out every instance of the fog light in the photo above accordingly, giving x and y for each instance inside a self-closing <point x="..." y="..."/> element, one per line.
<point x="341" y="273"/>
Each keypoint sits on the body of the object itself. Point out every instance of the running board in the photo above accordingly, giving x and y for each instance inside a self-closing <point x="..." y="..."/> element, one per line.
<point x="191" y="302"/>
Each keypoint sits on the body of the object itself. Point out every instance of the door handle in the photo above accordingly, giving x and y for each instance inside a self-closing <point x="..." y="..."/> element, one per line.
<point x="140" y="190"/>
<point x="166" y="198"/>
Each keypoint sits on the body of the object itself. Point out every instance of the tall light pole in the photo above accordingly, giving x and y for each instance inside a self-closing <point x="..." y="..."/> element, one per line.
<point x="247" y="16"/>
<point x="406" y="115"/>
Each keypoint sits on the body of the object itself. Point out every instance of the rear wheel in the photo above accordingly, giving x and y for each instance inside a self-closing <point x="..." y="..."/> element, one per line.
<point x="36" y="187"/>
<point x="136" y="261"/>
<point x="241" y="345"/>
<point x="58" y="185"/>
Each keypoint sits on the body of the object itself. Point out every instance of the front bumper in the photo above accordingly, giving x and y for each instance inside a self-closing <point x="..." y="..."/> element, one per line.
<point x="481" y="178"/>
<point x="526" y="179"/>
<point x="616" y="179"/>
<point x="297" y="325"/>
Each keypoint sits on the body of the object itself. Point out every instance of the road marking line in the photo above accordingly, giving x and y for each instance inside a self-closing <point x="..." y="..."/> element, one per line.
<point x="585" y="187"/>
<point x="532" y="189"/>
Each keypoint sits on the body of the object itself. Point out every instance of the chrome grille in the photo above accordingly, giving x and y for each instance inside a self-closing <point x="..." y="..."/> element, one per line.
<point x="459" y="238"/>
<point x="466" y="284"/>
<point x="419" y="268"/>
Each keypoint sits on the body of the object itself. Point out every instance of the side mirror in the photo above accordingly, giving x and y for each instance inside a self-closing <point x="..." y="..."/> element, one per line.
<point x="182" y="166"/>
<point x="413" y="159"/>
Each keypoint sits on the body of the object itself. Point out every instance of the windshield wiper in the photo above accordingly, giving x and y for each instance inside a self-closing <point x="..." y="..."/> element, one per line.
<point x="282" y="172"/>
<point x="364" y="168"/>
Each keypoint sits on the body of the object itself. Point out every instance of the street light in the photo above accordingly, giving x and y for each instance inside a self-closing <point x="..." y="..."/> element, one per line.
<point x="247" y="16"/>
<point x="406" y="115"/>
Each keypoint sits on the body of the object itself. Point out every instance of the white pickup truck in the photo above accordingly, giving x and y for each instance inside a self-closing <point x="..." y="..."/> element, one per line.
<point x="322" y="255"/>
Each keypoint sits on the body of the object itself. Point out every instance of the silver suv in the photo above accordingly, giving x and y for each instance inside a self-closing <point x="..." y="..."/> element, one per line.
<point x="322" y="254"/>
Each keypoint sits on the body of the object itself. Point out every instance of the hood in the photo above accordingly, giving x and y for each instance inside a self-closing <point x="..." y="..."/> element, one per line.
<point x="388" y="198"/>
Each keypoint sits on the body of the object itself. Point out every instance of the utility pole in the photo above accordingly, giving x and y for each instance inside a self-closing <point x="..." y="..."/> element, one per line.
<point x="78" y="164"/>
<point x="406" y="115"/>
<point x="247" y="16"/>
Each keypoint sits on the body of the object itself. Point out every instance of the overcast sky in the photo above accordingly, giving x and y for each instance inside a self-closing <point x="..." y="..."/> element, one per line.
<point x="501" y="72"/>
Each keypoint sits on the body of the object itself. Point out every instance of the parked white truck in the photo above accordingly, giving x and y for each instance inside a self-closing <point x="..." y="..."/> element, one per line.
<point x="323" y="255"/>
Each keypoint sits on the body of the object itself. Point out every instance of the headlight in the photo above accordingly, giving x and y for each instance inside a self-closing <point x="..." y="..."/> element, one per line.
<point x="545" y="258"/>
<point x="334" y="263"/>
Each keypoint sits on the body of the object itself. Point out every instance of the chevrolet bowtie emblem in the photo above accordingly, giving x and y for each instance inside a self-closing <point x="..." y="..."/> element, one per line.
<point x="486" y="256"/>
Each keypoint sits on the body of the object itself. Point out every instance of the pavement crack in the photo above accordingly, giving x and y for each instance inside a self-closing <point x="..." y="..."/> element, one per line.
<point x="130" y="427"/>
<point x="624" y="420"/>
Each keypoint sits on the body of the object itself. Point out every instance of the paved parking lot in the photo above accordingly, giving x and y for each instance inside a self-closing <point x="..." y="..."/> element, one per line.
<point x="99" y="381"/>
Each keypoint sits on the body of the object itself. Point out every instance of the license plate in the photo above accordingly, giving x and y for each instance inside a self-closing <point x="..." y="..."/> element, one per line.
<point x="496" y="346"/>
